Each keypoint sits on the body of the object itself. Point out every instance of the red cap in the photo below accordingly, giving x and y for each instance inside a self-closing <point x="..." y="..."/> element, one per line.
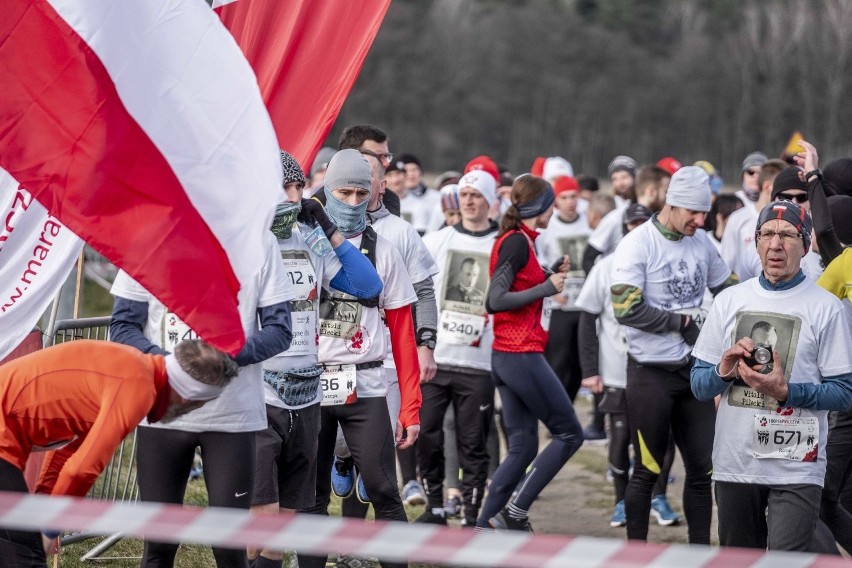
<point x="669" y="164"/>
<point x="538" y="166"/>
<point x="565" y="183"/>
<point x="485" y="164"/>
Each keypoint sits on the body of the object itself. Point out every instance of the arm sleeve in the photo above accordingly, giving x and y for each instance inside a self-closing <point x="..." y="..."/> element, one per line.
<point x="357" y="275"/>
<point x="829" y="245"/>
<point x="127" y="325"/>
<point x="512" y="257"/>
<point x="273" y="337"/>
<point x="426" y="307"/>
<point x="704" y="381"/>
<point x="630" y="309"/>
<point x="834" y="393"/>
<point x="589" y="257"/>
<point x="589" y="345"/>
<point x="404" y="347"/>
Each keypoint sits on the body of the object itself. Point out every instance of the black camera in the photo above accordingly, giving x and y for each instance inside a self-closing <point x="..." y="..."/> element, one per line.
<point x="760" y="355"/>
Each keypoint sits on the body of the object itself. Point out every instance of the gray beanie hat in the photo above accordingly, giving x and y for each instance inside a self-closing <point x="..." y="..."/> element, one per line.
<point x="754" y="159"/>
<point x="321" y="161"/>
<point x="348" y="168"/>
<point x="625" y="163"/>
<point x="690" y="189"/>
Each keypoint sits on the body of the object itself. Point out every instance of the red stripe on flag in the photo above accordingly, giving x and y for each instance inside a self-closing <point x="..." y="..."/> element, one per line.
<point x="636" y="554"/>
<point x="67" y="137"/>
<point x="306" y="55"/>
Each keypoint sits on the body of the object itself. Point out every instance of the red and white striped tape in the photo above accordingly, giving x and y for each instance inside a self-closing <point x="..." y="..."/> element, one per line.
<point x="392" y="541"/>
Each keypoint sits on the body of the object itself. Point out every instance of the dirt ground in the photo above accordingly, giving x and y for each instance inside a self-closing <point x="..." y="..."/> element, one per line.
<point x="579" y="501"/>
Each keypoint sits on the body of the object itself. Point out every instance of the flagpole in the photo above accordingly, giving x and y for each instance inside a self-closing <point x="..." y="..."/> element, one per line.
<point x="78" y="290"/>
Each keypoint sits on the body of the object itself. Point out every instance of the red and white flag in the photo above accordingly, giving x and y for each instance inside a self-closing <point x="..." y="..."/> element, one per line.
<point x="306" y="55"/>
<point x="141" y="127"/>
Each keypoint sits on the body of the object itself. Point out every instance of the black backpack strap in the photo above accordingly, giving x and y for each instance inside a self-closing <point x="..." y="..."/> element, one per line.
<point x="368" y="249"/>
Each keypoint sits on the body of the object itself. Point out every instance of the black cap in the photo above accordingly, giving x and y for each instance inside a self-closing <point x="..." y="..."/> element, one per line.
<point x="791" y="177"/>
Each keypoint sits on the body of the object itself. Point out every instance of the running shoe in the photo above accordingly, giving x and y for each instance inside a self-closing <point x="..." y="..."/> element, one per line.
<point x="453" y="506"/>
<point x="665" y="515"/>
<point x="360" y="490"/>
<point x="343" y="477"/>
<point x="619" y="517"/>
<point x="412" y="493"/>
<point x="503" y="522"/>
<point x="430" y="517"/>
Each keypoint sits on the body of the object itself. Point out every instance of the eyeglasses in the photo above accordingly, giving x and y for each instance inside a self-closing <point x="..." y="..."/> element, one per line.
<point x="385" y="157"/>
<point x="797" y="197"/>
<point x="752" y="172"/>
<point x="787" y="237"/>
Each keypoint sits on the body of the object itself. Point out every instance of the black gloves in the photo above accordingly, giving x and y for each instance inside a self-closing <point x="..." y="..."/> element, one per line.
<point x="689" y="330"/>
<point x="313" y="214"/>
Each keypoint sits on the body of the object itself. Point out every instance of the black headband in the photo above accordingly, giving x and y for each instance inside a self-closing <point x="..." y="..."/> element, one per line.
<point x="537" y="206"/>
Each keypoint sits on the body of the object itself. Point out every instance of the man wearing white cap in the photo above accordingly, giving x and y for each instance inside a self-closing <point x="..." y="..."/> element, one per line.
<point x="661" y="271"/>
<point x="463" y="351"/>
<point x="82" y="398"/>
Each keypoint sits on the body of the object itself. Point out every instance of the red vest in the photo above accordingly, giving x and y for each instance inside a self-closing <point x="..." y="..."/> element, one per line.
<point x="520" y="331"/>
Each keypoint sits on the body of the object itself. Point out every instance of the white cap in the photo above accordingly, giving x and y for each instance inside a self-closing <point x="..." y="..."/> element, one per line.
<point x="481" y="181"/>
<point x="555" y="167"/>
<point x="690" y="189"/>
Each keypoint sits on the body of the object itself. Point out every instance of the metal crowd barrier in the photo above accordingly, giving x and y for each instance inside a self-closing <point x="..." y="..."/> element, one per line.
<point x="117" y="482"/>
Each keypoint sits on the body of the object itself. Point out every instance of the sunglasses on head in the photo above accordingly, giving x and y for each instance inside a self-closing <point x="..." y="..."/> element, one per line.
<point x="798" y="197"/>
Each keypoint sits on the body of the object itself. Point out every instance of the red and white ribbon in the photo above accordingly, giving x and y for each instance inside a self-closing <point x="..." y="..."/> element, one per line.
<point x="430" y="544"/>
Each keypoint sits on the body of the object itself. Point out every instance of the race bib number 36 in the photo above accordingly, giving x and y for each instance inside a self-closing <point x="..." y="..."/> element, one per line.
<point x="785" y="437"/>
<point x="338" y="385"/>
<point x="460" y="329"/>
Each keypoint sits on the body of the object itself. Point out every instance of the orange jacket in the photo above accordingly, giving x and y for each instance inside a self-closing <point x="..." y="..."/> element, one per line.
<point x="86" y="394"/>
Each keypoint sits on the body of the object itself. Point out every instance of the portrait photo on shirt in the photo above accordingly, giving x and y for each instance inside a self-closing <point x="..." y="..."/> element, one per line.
<point x="465" y="282"/>
<point x="575" y="248"/>
<point x="776" y="332"/>
<point x="340" y="316"/>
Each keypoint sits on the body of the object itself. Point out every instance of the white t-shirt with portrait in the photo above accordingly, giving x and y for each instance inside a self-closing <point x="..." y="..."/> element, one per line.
<point x="812" y="331"/>
<point x="672" y="275"/>
<point x="596" y="298"/>
<point x="240" y="407"/>
<point x="351" y="333"/>
<point x="308" y="274"/>
<point x="558" y="239"/>
<point x="423" y="211"/>
<point x="465" y="329"/>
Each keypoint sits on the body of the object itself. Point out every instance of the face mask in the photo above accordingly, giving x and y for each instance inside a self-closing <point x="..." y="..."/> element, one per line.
<point x="285" y="218"/>
<point x="351" y="220"/>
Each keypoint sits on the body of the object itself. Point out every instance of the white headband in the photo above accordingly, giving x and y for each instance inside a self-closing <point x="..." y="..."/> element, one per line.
<point x="186" y="385"/>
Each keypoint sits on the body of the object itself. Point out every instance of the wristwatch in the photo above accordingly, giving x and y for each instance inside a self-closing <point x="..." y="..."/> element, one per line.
<point x="426" y="336"/>
<point x="815" y="172"/>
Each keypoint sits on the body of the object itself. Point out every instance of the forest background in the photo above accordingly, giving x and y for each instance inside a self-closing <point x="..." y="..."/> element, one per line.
<point x="591" y="79"/>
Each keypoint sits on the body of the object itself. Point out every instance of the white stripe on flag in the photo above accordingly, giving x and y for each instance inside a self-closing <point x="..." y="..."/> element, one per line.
<point x="194" y="94"/>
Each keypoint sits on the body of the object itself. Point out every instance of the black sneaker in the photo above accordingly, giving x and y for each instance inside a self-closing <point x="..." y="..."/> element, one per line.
<point x="431" y="518"/>
<point x="503" y="522"/>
